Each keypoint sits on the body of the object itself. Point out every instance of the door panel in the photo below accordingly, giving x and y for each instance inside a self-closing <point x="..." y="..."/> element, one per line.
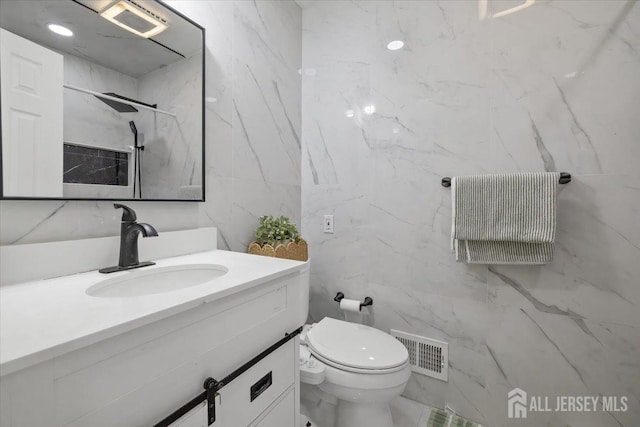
<point x="31" y="83"/>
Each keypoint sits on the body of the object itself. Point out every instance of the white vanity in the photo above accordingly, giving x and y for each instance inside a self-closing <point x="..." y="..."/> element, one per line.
<point x="130" y="348"/>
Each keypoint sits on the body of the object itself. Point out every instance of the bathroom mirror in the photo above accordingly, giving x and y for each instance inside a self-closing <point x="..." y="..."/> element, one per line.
<point x="101" y="99"/>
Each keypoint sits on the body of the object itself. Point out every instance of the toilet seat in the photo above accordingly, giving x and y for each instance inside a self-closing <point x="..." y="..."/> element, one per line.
<point x="358" y="370"/>
<point x="356" y="348"/>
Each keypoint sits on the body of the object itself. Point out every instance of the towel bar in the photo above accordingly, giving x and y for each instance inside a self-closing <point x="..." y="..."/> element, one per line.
<point x="565" y="178"/>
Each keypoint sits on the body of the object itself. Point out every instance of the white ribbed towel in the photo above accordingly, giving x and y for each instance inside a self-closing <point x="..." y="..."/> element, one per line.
<point x="504" y="218"/>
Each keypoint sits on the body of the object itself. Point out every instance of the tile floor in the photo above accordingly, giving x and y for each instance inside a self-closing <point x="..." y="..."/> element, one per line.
<point x="409" y="413"/>
<point x="405" y="413"/>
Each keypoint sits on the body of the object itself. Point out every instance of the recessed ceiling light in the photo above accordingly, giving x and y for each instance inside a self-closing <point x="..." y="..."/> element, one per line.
<point x="395" y="45"/>
<point x="59" y="29"/>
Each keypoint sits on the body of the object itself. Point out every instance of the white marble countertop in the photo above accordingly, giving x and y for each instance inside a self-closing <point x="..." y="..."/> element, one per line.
<point x="44" y="319"/>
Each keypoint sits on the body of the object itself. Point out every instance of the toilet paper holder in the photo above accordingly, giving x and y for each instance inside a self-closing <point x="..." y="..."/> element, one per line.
<point x="367" y="300"/>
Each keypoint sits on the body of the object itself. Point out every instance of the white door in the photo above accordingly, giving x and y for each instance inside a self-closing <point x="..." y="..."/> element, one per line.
<point x="31" y="87"/>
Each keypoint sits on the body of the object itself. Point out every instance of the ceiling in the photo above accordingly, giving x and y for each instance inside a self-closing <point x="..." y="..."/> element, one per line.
<point x="98" y="40"/>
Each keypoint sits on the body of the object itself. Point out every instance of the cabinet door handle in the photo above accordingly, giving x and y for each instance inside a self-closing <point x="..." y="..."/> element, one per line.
<point x="259" y="387"/>
<point x="212" y="387"/>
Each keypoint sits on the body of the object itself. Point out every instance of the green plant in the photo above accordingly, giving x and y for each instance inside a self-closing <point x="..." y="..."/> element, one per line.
<point x="276" y="230"/>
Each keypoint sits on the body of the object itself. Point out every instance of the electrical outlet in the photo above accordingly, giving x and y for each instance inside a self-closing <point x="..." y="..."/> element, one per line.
<point x="328" y="223"/>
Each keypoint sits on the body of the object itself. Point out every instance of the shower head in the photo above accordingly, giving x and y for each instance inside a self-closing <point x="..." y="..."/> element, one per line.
<point x="120" y="107"/>
<point x="134" y="130"/>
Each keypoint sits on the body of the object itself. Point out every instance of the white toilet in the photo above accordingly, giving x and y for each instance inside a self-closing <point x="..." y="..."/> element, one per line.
<point x="363" y="367"/>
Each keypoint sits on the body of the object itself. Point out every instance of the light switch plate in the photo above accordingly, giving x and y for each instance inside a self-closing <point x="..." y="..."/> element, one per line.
<point x="328" y="223"/>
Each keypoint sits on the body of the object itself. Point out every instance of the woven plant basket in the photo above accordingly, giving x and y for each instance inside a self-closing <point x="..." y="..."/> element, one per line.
<point x="298" y="251"/>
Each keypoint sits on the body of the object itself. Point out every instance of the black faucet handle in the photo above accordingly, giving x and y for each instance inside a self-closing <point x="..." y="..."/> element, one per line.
<point x="128" y="214"/>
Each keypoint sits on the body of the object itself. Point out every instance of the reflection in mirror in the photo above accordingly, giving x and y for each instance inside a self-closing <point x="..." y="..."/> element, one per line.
<point x="101" y="99"/>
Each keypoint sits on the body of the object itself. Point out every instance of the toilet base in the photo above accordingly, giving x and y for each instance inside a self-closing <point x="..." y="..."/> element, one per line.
<point x="357" y="414"/>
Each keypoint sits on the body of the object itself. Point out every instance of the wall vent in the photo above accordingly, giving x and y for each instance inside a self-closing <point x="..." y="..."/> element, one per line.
<point x="426" y="356"/>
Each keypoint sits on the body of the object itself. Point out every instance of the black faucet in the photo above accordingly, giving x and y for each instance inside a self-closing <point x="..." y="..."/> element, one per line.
<point x="129" y="232"/>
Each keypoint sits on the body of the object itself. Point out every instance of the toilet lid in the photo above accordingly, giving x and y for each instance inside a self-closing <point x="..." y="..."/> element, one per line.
<point x="355" y="346"/>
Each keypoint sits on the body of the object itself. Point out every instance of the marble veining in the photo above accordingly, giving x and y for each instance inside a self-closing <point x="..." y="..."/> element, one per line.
<point x="88" y="121"/>
<point x="171" y="160"/>
<point x="171" y="164"/>
<point x="95" y="166"/>
<point x="236" y="195"/>
<point x="465" y="95"/>
<point x="478" y="94"/>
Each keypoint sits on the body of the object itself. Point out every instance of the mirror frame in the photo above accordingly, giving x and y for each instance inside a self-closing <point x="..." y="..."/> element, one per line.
<point x="202" y="103"/>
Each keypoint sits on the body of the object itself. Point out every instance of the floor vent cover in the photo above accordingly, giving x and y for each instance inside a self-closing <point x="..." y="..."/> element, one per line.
<point x="426" y="356"/>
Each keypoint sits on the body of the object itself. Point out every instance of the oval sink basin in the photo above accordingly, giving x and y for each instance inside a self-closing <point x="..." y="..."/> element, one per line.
<point x="156" y="280"/>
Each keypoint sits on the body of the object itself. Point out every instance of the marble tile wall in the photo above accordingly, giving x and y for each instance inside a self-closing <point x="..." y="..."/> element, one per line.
<point x="89" y="121"/>
<point x="553" y="86"/>
<point x="252" y="120"/>
<point x="171" y="159"/>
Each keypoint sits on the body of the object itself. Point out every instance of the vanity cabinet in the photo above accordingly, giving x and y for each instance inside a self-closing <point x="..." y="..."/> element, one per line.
<point x="279" y="414"/>
<point x="137" y="378"/>
<point x="239" y="403"/>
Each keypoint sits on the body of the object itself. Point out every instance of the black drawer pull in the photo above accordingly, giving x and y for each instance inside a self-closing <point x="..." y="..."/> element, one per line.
<point x="258" y="388"/>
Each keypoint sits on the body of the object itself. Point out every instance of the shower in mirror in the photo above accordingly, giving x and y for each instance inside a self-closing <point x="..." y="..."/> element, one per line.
<point x="116" y="98"/>
<point x="137" y="149"/>
<point x="137" y="161"/>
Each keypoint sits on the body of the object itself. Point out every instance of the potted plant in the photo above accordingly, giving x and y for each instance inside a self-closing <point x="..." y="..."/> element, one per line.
<point x="279" y="237"/>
